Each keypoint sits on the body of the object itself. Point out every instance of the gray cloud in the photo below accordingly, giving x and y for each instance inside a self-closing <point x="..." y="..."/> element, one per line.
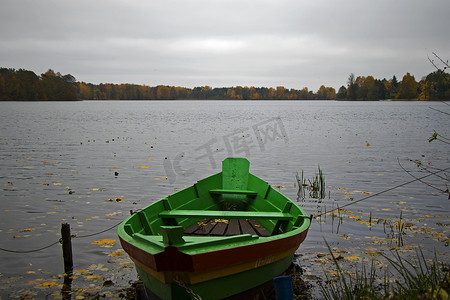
<point x="224" y="43"/>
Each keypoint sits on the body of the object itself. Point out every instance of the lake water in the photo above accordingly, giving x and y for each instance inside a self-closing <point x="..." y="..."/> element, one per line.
<point x="89" y="163"/>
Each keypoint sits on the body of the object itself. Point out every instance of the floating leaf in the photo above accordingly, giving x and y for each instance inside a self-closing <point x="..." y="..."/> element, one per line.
<point x="49" y="284"/>
<point x="27" y="230"/>
<point x="144" y="167"/>
<point x="353" y="257"/>
<point x="94" y="278"/>
<point x="116" y="253"/>
<point x="98" y="267"/>
<point x="104" y="242"/>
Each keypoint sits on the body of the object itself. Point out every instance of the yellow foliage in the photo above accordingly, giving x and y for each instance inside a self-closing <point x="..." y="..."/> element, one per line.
<point x="353" y="257"/>
<point x="49" y="284"/>
<point x="104" y="242"/>
<point x="94" y="278"/>
<point x="144" y="167"/>
<point x="116" y="253"/>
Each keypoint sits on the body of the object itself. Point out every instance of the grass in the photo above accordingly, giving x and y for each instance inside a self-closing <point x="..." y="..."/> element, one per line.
<point x="315" y="185"/>
<point x="427" y="279"/>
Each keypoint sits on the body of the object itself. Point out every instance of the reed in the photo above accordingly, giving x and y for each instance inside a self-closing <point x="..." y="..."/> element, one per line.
<point x="315" y="185"/>
<point x="424" y="280"/>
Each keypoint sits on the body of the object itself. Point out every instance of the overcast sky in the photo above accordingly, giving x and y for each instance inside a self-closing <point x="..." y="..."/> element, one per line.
<point x="222" y="43"/>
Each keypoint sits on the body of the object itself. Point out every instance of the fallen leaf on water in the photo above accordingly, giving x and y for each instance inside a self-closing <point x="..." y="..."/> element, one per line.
<point x="94" y="189"/>
<point x="110" y="215"/>
<point x="94" y="277"/>
<point x="27" y="230"/>
<point x="353" y="257"/>
<point x="346" y="237"/>
<point x="150" y="159"/>
<point x="104" y="242"/>
<point x="116" y="253"/>
<point x="144" y="167"/>
<point x="429" y="216"/>
<point x="98" y="267"/>
<point x="49" y="284"/>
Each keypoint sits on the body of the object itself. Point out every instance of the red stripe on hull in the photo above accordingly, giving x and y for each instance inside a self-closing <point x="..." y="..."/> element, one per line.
<point x="171" y="259"/>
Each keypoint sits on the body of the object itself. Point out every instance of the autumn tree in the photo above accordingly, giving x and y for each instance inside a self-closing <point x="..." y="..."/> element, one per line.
<point x="408" y="87"/>
<point x="352" y="87"/>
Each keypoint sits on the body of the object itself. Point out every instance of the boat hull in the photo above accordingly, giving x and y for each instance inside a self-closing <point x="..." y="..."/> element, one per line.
<point x="218" y="288"/>
<point x="225" y="234"/>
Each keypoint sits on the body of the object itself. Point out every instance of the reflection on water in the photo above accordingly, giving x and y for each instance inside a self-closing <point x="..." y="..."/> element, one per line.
<point x="90" y="163"/>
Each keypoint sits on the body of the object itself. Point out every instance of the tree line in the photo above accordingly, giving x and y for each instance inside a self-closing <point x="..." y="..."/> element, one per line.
<point x="435" y="86"/>
<point x="161" y="92"/>
<point x="26" y="85"/>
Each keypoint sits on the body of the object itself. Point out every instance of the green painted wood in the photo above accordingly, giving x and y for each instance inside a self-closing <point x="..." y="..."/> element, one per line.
<point x="218" y="214"/>
<point x="217" y="288"/>
<point x="236" y="192"/>
<point x="172" y="235"/>
<point x="235" y="173"/>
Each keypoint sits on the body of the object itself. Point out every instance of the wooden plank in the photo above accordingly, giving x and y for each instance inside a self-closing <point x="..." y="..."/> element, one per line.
<point x="219" y="229"/>
<point x="246" y="227"/>
<point x="205" y="228"/>
<point x="191" y="229"/>
<point x="233" y="228"/>
<point x="219" y="214"/>
<point x="260" y="230"/>
<point x="235" y="173"/>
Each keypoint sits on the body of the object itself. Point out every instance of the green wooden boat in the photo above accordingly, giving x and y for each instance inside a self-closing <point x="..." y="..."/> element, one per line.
<point x="225" y="234"/>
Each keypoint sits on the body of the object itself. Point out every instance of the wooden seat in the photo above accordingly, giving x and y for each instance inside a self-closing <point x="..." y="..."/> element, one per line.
<point x="218" y="214"/>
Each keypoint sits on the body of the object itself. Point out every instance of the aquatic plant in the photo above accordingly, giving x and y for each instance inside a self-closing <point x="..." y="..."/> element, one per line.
<point x="315" y="185"/>
<point x="427" y="279"/>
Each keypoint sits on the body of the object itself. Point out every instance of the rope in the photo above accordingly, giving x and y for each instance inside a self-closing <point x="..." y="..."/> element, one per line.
<point x="34" y="250"/>
<point x="382" y="192"/>
<point x="59" y="241"/>
<point x="97" y="233"/>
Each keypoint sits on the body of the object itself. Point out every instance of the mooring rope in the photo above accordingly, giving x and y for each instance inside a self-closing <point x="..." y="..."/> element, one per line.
<point x="384" y="191"/>
<point x="29" y="251"/>
<point x="59" y="241"/>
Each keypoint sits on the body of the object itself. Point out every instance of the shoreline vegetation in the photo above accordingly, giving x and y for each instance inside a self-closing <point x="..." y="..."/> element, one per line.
<point x="24" y="85"/>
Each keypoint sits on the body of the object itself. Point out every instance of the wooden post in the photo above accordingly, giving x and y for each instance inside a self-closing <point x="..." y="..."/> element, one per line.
<point x="67" y="249"/>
